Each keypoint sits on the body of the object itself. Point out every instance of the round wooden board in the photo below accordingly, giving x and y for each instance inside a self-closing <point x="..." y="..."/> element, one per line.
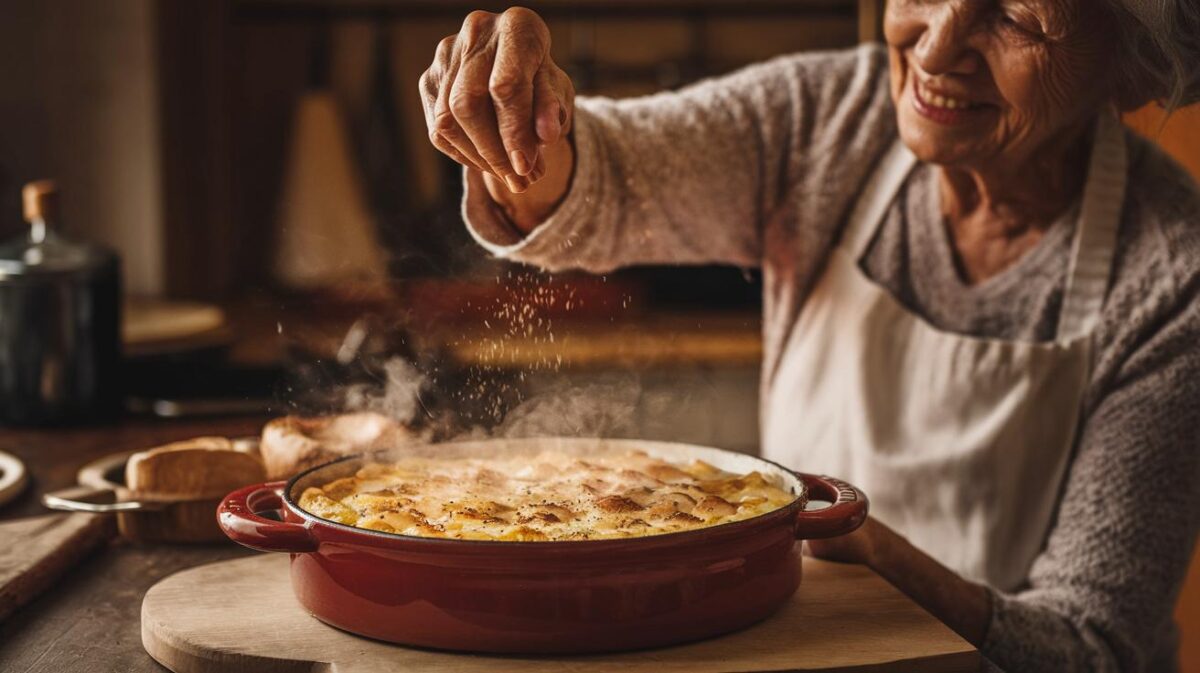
<point x="241" y="616"/>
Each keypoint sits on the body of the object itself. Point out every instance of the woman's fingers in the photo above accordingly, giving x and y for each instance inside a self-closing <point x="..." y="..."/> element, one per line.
<point x="522" y="43"/>
<point x="448" y="131"/>
<point x="539" y="168"/>
<point x="566" y="95"/>
<point x="471" y="103"/>
<point x="445" y="131"/>
<point x="493" y="96"/>
<point x="454" y="153"/>
<point x="442" y="127"/>
<point x="548" y="108"/>
<point x="429" y="101"/>
<point x="471" y="99"/>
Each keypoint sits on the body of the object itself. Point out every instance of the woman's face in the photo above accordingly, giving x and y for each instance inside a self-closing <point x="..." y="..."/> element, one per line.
<point x="976" y="81"/>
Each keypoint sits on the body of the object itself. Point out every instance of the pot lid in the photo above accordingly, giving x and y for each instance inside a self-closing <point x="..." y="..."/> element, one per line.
<point x="40" y="250"/>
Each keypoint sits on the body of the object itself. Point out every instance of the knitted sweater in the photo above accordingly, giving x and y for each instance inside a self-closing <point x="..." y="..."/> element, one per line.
<point x="760" y="169"/>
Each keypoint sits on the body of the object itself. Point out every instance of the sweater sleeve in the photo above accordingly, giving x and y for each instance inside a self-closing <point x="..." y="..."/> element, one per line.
<point x="1100" y="596"/>
<point x="690" y="177"/>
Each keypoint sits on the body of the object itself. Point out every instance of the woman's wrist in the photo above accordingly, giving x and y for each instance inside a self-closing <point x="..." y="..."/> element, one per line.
<point x="526" y="210"/>
<point x="879" y="551"/>
<point x="963" y="605"/>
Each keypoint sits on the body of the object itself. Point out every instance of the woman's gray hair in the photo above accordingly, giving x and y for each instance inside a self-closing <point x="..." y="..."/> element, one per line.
<point x="1159" y="57"/>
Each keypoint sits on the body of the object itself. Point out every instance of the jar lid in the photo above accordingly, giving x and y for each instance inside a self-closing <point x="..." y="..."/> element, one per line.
<point x="42" y="251"/>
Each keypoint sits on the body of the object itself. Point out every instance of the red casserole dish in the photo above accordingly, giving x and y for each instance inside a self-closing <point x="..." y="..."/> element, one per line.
<point x="544" y="597"/>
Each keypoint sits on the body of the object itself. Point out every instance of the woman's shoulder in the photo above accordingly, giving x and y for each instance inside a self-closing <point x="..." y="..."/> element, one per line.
<point x="1162" y="220"/>
<point x="832" y="76"/>
<point x="839" y="109"/>
<point x="866" y="59"/>
<point x="1154" y="296"/>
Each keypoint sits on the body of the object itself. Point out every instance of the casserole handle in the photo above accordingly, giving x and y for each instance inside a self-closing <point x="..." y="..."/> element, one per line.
<point x="847" y="513"/>
<point x="83" y="499"/>
<point x="238" y="518"/>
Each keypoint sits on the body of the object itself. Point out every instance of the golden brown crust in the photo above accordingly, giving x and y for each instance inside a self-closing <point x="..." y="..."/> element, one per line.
<point x="617" y="503"/>
<point x="551" y="496"/>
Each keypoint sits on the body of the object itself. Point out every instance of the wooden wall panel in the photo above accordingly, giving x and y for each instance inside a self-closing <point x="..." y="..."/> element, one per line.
<point x="272" y="65"/>
<point x="200" y="237"/>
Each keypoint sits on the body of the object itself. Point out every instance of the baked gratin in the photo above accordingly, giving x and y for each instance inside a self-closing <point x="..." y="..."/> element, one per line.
<point x="549" y="496"/>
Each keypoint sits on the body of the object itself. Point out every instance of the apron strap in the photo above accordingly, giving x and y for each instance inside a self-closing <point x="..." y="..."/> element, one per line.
<point x="1096" y="234"/>
<point x="878" y="195"/>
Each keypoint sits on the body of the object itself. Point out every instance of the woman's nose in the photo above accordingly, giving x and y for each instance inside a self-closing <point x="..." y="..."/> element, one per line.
<point x="944" y="47"/>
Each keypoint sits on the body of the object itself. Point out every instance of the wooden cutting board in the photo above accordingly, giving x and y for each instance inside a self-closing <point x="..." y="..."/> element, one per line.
<point x="35" y="551"/>
<point x="241" y="616"/>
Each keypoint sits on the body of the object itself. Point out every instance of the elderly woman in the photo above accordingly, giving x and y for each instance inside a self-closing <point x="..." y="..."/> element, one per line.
<point x="982" y="294"/>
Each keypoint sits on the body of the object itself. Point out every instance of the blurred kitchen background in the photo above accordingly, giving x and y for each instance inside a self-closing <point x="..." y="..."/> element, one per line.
<point x="286" y="230"/>
<point x="267" y="161"/>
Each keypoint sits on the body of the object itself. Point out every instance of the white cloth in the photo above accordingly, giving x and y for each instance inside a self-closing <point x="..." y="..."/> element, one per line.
<point x="960" y="442"/>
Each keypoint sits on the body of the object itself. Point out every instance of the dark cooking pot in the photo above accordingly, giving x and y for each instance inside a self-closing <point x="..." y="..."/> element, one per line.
<point x="543" y="597"/>
<point x="59" y="323"/>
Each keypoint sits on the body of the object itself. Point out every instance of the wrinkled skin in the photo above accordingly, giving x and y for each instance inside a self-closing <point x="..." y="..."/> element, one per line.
<point x="1036" y="68"/>
<point x="1034" y="73"/>
<point x="496" y="102"/>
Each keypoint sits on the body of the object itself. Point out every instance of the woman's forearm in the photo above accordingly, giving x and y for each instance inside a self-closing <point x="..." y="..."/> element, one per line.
<point x="530" y="208"/>
<point x="962" y="605"/>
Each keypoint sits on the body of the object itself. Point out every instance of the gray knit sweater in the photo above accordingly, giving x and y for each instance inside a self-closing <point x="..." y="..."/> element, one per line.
<point x="760" y="168"/>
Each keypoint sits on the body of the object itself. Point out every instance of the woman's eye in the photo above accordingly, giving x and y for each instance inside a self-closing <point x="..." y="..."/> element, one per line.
<point x="1023" y="25"/>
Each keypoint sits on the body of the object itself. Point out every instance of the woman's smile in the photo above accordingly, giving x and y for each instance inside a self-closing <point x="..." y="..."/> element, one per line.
<point x="944" y="107"/>
<point x="993" y="85"/>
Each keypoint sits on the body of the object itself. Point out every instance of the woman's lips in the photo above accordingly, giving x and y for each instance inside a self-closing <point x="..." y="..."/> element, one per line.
<point x="941" y="108"/>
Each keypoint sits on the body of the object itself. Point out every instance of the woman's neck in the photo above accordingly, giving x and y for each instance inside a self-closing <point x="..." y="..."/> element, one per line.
<point x="996" y="214"/>
<point x="1008" y="198"/>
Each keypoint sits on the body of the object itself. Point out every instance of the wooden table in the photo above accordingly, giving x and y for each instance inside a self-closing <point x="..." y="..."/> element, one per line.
<point x="90" y="621"/>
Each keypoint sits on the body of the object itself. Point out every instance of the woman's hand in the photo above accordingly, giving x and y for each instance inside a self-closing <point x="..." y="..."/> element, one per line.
<point x="963" y="605"/>
<point x="496" y="102"/>
<point x="857" y="547"/>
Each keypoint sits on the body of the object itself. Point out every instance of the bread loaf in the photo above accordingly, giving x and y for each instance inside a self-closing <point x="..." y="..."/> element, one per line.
<point x="204" y="467"/>
<point x="294" y="443"/>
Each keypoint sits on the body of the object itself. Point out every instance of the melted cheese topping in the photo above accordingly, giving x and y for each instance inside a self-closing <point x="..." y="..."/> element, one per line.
<point x="552" y="496"/>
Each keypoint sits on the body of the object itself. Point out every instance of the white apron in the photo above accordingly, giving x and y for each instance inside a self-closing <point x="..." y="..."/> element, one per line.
<point x="961" y="443"/>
